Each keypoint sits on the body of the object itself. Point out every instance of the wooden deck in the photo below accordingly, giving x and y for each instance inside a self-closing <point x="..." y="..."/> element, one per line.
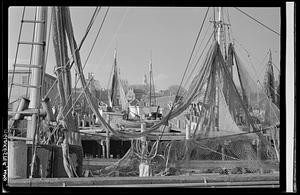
<point x="199" y="180"/>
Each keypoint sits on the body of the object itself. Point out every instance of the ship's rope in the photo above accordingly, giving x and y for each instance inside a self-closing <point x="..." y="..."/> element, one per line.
<point x="197" y="62"/>
<point x="269" y="100"/>
<point x="77" y="99"/>
<point x="80" y="45"/>
<point x="223" y="66"/>
<point x="198" y="35"/>
<point x="70" y="96"/>
<point x="122" y="134"/>
<point x="202" y="40"/>
<point x="60" y="45"/>
<point x="258" y="21"/>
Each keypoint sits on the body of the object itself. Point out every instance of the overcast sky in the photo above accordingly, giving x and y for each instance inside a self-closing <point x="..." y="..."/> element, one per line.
<point x="168" y="33"/>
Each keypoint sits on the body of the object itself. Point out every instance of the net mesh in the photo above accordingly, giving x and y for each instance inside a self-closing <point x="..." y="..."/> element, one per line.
<point x="217" y="144"/>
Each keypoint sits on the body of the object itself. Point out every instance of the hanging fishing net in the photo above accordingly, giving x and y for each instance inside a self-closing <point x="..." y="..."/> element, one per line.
<point x="226" y="139"/>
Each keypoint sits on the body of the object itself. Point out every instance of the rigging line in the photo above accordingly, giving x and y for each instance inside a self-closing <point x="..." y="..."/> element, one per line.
<point x="270" y="101"/>
<point x="265" y="92"/>
<point x="89" y="52"/>
<point x="252" y="66"/>
<point x="118" y="29"/>
<point x="187" y="66"/>
<point x="197" y="54"/>
<point x="246" y="50"/>
<point x="14" y="101"/>
<point x="259" y="74"/>
<point x="208" y="27"/>
<point x="270" y="87"/>
<point x="86" y="61"/>
<point x="96" y="12"/>
<point x="203" y="53"/>
<point x="173" y="105"/>
<point x="185" y="83"/>
<point x="275" y="67"/>
<point x="232" y="135"/>
<point x="99" y="30"/>
<point x="81" y="43"/>
<point x="74" y="101"/>
<point x="207" y="148"/>
<point x="198" y="35"/>
<point x="258" y="21"/>
<point x="263" y="66"/>
<point x="17" y="51"/>
<point x="121" y="134"/>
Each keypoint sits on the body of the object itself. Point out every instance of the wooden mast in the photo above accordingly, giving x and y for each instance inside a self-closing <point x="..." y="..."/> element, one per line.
<point x="219" y="26"/>
<point x="39" y="59"/>
<point x="150" y="75"/>
<point x="151" y="82"/>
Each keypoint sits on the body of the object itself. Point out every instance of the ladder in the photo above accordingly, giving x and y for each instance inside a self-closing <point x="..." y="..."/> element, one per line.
<point x="30" y="66"/>
<point x="36" y="68"/>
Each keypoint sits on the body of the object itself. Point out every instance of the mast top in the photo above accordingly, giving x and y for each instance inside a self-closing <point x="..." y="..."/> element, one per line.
<point x="270" y="56"/>
<point x="115" y="53"/>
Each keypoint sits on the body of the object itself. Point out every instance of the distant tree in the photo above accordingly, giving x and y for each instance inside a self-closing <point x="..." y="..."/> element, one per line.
<point x="141" y="87"/>
<point x="139" y="90"/>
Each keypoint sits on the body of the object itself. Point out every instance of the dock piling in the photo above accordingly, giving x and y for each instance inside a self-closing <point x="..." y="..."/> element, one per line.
<point x="107" y="138"/>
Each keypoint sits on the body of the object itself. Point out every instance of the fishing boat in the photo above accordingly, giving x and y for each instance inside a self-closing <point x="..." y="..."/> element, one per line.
<point x="130" y="116"/>
<point x="212" y="136"/>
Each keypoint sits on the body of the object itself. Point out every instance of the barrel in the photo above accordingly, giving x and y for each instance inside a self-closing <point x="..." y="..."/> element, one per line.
<point x="17" y="159"/>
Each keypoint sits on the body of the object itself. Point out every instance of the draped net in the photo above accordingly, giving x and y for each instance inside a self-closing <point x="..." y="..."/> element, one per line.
<point x="217" y="136"/>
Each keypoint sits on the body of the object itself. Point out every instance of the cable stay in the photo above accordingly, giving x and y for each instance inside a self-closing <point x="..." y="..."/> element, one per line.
<point x="258" y="21"/>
